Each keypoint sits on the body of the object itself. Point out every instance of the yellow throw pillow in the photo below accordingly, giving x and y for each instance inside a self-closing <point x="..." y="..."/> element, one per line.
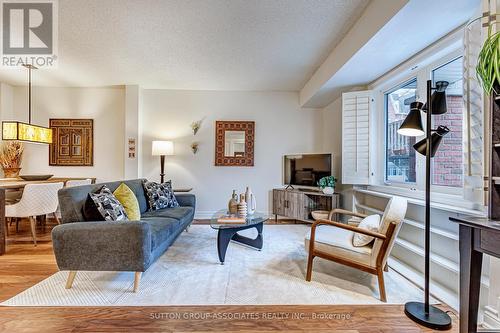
<point x="127" y="198"/>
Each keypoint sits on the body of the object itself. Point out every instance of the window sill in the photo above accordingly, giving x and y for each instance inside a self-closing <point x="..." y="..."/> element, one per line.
<point x="446" y="202"/>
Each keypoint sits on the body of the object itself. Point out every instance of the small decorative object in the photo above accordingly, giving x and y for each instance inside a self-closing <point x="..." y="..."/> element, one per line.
<point x="232" y="206"/>
<point x="327" y="184"/>
<point x="488" y="63"/>
<point x="242" y="206"/>
<point x="194" y="147"/>
<point x="320" y="214"/>
<point x="35" y="177"/>
<point x="73" y="142"/>
<point x="251" y="202"/>
<point x="195" y="126"/>
<point x="11" y="155"/>
<point x="131" y="148"/>
<point x="231" y="220"/>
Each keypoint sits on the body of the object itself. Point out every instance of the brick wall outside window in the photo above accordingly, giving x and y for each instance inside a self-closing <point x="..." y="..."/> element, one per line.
<point x="448" y="162"/>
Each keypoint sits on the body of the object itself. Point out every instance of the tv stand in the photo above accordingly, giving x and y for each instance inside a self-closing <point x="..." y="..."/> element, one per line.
<point x="298" y="204"/>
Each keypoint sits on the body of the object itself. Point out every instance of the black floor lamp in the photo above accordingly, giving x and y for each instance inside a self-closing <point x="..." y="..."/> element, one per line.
<point x="424" y="313"/>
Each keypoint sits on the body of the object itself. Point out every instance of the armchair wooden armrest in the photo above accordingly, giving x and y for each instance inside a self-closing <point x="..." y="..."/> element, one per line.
<point x="347" y="227"/>
<point x="344" y="212"/>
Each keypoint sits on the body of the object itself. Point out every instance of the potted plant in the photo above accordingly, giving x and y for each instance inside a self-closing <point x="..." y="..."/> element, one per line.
<point x="11" y="155"/>
<point x="488" y="65"/>
<point x="327" y="184"/>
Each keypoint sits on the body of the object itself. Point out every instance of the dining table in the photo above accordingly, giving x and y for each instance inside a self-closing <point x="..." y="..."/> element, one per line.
<point x="17" y="184"/>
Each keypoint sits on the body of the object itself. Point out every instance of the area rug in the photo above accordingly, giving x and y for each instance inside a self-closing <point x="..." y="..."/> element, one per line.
<point x="189" y="273"/>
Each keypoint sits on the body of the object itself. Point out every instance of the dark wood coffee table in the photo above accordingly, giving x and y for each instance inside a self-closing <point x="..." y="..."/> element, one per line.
<point x="229" y="232"/>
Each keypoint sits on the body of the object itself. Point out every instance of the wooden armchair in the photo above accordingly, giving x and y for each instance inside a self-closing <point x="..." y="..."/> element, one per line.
<point x="333" y="241"/>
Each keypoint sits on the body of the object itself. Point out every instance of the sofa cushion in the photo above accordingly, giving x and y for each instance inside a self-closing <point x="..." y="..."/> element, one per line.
<point x="72" y="199"/>
<point x="161" y="229"/>
<point x="103" y="205"/>
<point x="160" y="195"/>
<point x="183" y="214"/>
<point x="127" y="198"/>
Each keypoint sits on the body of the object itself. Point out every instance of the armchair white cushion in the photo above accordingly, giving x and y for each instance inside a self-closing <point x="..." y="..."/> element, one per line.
<point x="339" y="241"/>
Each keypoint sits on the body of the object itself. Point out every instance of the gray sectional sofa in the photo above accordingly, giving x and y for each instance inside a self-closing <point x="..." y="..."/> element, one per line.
<point x="116" y="246"/>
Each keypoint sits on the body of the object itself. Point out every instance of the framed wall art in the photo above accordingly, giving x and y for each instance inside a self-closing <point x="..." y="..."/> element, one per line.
<point x="72" y="143"/>
<point x="234" y="143"/>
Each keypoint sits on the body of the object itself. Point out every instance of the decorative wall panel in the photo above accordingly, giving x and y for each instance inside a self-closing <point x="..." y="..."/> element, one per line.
<point x="73" y="142"/>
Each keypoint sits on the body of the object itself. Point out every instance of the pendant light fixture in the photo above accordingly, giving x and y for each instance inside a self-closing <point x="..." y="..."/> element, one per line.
<point x="20" y="131"/>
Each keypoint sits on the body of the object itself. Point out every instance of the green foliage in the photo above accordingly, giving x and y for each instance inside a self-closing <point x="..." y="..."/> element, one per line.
<point x="327" y="182"/>
<point x="488" y="65"/>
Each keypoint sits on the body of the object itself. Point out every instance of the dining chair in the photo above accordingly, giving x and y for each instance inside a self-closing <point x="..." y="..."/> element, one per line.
<point x="332" y="240"/>
<point x="37" y="199"/>
<point x="78" y="182"/>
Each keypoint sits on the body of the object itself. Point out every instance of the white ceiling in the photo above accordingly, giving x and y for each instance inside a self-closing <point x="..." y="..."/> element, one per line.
<point x="194" y="44"/>
<point x="416" y="26"/>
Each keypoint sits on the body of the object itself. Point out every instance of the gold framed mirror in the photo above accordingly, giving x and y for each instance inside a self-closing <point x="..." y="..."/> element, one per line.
<point x="234" y="143"/>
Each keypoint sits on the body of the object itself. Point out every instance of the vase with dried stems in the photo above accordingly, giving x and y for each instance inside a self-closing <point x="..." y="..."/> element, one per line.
<point x="11" y="155"/>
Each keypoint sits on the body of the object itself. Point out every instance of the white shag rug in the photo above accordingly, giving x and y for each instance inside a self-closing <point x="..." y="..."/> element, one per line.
<point x="189" y="273"/>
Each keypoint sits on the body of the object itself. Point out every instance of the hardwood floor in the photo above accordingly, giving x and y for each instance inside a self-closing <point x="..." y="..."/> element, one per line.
<point x="25" y="265"/>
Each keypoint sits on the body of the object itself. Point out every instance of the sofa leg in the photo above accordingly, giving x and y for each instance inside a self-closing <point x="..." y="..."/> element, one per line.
<point x="71" y="278"/>
<point x="137" y="280"/>
<point x="187" y="229"/>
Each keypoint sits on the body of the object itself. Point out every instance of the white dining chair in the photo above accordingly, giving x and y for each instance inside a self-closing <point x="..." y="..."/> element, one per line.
<point x="37" y="199"/>
<point x="78" y="182"/>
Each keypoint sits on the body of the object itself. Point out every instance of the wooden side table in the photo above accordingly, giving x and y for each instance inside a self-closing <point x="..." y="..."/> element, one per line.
<point x="476" y="236"/>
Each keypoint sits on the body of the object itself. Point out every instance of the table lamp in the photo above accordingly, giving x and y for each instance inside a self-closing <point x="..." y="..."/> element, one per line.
<point x="162" y="148"/>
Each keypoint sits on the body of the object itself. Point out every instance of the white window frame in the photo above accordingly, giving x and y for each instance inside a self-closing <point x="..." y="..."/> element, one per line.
<point x="384" y="173"/>
<point x="389" y="83"/>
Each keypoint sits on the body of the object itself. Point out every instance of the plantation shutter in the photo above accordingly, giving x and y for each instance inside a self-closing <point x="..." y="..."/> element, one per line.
<point x="476" y="115"/>
<point x="356" y="113"/>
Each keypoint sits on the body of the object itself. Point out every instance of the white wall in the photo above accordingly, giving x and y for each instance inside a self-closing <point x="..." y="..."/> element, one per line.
<point x="104" y="105"/>
<point x="281" y="127"/>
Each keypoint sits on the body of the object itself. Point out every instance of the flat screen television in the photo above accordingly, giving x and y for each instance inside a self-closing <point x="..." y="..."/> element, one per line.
<point x="306" y="169"/>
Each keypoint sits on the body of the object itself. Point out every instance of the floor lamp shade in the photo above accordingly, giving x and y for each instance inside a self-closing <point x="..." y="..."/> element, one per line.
<point x="160" y="148"/>
<point x="436" y="138"/>
<point x="412" y="125"/>
<point x="438" y="98"/>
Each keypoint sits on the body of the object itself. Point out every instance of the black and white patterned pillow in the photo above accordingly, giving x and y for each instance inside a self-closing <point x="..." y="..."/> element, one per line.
<point x="160" y="195"/>
<point x="103" y="206"/>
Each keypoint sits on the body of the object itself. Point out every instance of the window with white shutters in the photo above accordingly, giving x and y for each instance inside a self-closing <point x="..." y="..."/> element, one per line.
<point x="474" y="118"/>
<point x="357" y="110"/>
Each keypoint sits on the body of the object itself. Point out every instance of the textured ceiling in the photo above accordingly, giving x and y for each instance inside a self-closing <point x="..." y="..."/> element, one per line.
<point x="187" y="44"/>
